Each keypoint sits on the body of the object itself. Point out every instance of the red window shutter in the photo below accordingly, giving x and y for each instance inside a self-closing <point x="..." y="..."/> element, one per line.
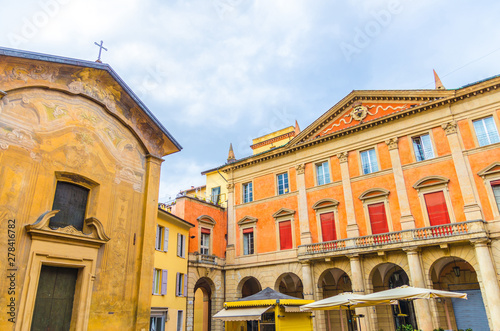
<point x="328" y="226"/>
<point x="249" y="230"/>
<point x="164" y="282"/>
<point x="495" y="182"/>
<point x="203" y="230"/>
<point x="286" y="235"/>
<point x="378" y="218"/>
<point x="436" y="208"/>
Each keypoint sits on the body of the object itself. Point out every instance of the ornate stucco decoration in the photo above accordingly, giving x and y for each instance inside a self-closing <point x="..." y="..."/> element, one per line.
<point x="37" y="72"/>
<point x="392" y="143"/>
<point x="93" y="231"/>
<point x="450" y="127"/>
<point x="342" y="157"/>
<point x="300" y="168"/>
<point x="230" y="188"/>
<point x="128" y="175"/>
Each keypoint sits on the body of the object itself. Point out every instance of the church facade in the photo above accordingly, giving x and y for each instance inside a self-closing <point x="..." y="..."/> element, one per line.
<point x="80" y="160"/>
<point x="384" y="189"/>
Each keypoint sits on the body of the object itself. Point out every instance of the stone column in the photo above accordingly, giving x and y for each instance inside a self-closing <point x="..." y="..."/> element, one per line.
<point x="358" y="287"/>
<point x="307" y="281"/>
<point x="352" y="226"/>
<point x="231" y="224"/>
<point x="305" y="233"/>
<point x="422" y="307"/>
<point x="472" y="210"/>
<point x="491" y="289"/>
<point x="407" y="220"/>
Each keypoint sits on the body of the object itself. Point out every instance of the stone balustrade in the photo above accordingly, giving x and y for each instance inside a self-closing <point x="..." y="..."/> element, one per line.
<point x="440" y="234"/>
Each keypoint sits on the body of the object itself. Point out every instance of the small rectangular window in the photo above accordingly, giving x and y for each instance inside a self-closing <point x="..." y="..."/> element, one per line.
<point x="157" y="323"/>
<point x="436" y="208"/>
<point x="378" y="218"/>
<point x="322" y="173"/>
<point x="205" y="241"/>
<point x="423" y="147"/>
<point x="215" y="197"/>
<point x="181" y="245"/>
<point x="180" y="320"/>
<point x="369" y="161"/>
<point x="283" y="183"/>
<point x="159" y="237"/>
<point x="247" y="192"/>
<point x="486" y="131"/>
<point x="71" y="201"/>
<point x="248" y="244"/>
<point x="157" y="281"/>
<point x="285" y="231"/>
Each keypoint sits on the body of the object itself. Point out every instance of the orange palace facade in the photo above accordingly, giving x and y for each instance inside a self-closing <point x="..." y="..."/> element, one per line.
<point x="384" y="189"/>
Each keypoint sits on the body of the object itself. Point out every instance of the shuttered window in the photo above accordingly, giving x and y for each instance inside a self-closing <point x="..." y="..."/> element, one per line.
<point x="181" y="245"/>
<point x="205" y="241"/>
<point x="248" y="241"/>
<point x="157" y="284"/>
<point x="436" y="208"/>
<point x="71" y="201"/>
<point x="285" y="229"/>
<point x="378" y="218"/>
<point x="328" y="226"/>
<point x="165" y="239"/>
<point x="164" y="281"/>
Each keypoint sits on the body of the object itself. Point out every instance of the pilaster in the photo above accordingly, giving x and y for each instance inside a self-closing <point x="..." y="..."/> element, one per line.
<point x="305" y="233"/>
<point x="489" y="279"/>
<point x="407" y="220"/>
<point x="231" y="225"/>
<point x="358" y="287"/>
<point x="352" y="226"/>
<point x="472" y="210"/>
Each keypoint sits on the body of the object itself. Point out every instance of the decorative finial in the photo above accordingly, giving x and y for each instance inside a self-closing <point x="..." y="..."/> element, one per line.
<point x="439" y="85"/>
<point x="297" y="129"/>
<point x="101" y="47"/>
<point x="230" y="157"/>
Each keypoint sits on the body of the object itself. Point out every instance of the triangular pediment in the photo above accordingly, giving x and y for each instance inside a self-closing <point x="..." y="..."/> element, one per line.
<point x="492" y="169"/>
<point x="284" y="212"/>
<point x="247" y="220"/>
<point x="362" y="107"/>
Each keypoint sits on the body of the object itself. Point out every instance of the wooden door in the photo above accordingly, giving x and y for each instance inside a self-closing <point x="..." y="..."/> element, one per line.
<point x="54" y="299"/>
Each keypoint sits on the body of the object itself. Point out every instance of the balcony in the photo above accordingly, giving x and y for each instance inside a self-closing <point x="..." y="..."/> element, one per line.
<point x="433" y="235"/>
<point x="203" y="259"/>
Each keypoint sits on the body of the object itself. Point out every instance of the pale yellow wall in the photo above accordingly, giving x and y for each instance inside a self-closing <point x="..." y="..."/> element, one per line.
<point x="174" y="264"/>
<point x="215" y="179"/>
<point x="275" y="144"/>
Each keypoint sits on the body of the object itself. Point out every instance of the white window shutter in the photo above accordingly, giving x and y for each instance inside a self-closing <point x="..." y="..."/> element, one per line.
<point x="177" y="285"/>
<point x="154" y="276"/>
<point x="165" y="239"/>
<point x="183" y="245"/>
<point x="164" y="281"/>
<point x="157" y="234"/>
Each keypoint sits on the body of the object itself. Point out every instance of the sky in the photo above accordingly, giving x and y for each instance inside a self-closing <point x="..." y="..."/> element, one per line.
<point x="216" y="72"/>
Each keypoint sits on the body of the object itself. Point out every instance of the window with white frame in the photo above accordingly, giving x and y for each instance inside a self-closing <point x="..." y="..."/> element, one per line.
<point x="283" y="183"/>
<point x="205" y="241"/>
<point x="247" y="192"/>
<point x="215" y="196"/>
<point x="486" y="131"/>
<point x="248" y="242"/>
<point x="161" y="243"/>
<point x="369" y="161"/>
<point x="322" y="173"/>
<point x="181" y="245"/>
<point x="180" y="320"/>
<point x="157" y="323"/>
<point x="422" y="147"/>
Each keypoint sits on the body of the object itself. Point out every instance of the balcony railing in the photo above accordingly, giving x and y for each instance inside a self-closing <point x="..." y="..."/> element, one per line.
<point x="421" y="234"/>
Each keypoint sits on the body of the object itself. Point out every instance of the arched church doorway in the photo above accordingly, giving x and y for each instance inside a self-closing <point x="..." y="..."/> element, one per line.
<point x="290" y="284"/>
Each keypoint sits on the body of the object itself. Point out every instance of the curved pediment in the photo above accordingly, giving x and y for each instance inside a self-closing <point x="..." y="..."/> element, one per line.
<point x="325" y="203"/>
<point x="96" y="235"/>
<point x="247" y="220"/>
<point x="283" y="212"/>
<point x="206" y="219"/>
<point x="374" y="193"/>
<point x="430" y="181"/>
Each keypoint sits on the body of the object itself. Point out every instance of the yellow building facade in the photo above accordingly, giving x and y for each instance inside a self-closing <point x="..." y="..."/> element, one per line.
<point x="80" y="160"/>
<point x="168" y="301"/>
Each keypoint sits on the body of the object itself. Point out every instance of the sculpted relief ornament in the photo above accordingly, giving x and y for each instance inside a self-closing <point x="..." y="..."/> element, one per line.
<point x="392" y="143"/>
<point x="300" y="168"/>
<point x="342" y="157"/>
<point x="450" y="127"/>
